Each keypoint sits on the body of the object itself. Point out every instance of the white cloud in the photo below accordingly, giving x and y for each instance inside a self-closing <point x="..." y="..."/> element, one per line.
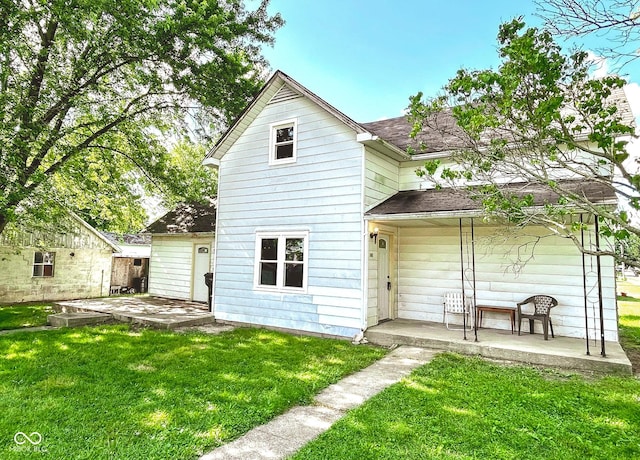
<point x="601" y="66"/>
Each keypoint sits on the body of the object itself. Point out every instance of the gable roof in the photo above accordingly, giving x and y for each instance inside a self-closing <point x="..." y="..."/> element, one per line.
<point x="441" y="135"/>
<point x="448" y="200"/>
<point x="53" y="233"/>
<point x="95" y="232"/>
<point x="186" y="218"/>
<point x="277" y="81"/>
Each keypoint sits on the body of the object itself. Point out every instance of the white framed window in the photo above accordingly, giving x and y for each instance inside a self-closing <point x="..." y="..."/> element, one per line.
<point x="282" y="143"/>
<point x="281" y="261"/>
<point x="43" y="264"/>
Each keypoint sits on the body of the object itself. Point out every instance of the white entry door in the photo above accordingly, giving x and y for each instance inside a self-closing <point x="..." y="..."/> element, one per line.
<point x="384" y="279"/>
<point x="201" y="265"/>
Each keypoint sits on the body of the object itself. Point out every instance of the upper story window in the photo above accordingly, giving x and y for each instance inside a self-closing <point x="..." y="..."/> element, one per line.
<point x="281" y="261"/>
<point x="283" y="142"/>
<point x="43" y="263"/>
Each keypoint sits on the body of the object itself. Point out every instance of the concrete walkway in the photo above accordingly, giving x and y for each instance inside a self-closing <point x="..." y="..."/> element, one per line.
<point x="286" y="434"/>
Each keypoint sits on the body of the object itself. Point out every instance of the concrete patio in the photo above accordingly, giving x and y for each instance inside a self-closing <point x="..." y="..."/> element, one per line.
<point x="559" y="352"/>
<point x="145" y="310"/>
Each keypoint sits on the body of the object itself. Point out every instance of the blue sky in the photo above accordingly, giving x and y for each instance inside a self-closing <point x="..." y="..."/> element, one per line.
<point x="366" y="57"/>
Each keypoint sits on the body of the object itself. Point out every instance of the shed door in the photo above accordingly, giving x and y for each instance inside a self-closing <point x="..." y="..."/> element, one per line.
<point x="201" y="264"/>
<point x="384" y="280"/>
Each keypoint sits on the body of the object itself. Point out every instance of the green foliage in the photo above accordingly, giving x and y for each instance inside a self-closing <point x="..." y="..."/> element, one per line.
<point x="89" y="90"/>
<point x="539" y="116"/>
<point x="116" y="392"/>
<point x="458" y="407"/>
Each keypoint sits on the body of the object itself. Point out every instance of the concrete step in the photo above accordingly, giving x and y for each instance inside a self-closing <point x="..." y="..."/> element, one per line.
<point x="166" y="321"/>
<point x="75" y="319"/>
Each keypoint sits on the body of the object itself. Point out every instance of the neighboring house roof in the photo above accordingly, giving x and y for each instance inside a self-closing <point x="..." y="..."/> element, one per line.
<point x="127" y="238"/>
<point x="186" y="218"/>
<point x="47" y="233"/>
<point x="448" y="200"/>
<point x="137" y="246"/>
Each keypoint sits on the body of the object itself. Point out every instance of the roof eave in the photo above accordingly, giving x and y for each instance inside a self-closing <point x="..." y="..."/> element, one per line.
<point x="461" y="213"/>
<point x="380" y="145"/>
<point x="190" y="234"/>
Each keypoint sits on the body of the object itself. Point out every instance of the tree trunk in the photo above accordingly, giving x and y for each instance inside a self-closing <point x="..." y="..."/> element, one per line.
<point x="3" y="221"/>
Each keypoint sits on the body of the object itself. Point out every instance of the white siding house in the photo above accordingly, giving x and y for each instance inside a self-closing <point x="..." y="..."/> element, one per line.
<point x="323" y="226"/>
<point x="182" y="252"/>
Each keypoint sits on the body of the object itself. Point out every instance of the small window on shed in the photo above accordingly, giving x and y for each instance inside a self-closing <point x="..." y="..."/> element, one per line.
<point x="43" y="264"/>
<point x="283" y="142"/>
<point x="137" y="262"/>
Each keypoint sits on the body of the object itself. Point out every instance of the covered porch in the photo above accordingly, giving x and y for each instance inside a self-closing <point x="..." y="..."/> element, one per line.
<point x="426" y="243"/>
<point x="560" y="352"/>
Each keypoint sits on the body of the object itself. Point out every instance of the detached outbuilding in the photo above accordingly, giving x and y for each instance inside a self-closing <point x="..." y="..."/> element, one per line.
<point x="182" y="252"/>
<point x="66" y="260"/>
<point x="130" y="268"/>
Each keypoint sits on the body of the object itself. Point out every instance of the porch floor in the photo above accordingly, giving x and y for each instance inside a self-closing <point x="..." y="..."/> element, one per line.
<point x="559" y="352"/>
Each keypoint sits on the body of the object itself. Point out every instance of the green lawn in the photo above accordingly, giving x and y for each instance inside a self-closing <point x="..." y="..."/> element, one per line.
<point x="466" y="408"/>
<point x="24" y="315"/>
<point x="629" y="321"/>
<point x="115" y="392"/>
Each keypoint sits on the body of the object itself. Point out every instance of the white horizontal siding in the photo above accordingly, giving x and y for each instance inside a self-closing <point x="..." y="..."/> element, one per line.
<point x="429" y="266"/>
<point x="171" y="265"/>
<point x="381" y="178"/>
<point x="321" y="193"/>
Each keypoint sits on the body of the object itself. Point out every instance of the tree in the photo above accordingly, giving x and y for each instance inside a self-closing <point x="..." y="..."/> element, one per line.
<point x="110" y="193"/>
<point x="89" y="88"/>
<point x="615" y="21"/>
<point x="535" y="118"/>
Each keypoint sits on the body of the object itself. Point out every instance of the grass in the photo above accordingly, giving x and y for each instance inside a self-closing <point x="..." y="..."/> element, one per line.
<point x="24" y="315"/>
<point x="466" y="408"/>
<point x="629" y="321"/>
<point x="116" y="392"/>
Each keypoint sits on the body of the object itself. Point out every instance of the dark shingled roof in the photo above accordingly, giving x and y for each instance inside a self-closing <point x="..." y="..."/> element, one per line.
<point x="441" y="132"/>
<point x="186" y="218"/>
<point x="441" y="135"/>
<point x="127" y="238"/>
<point x="444" y="200"/>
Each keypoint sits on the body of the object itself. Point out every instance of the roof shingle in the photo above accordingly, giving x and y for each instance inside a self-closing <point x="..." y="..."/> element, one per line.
<point x="186" y="218"/>
<point x="450" y="200"/>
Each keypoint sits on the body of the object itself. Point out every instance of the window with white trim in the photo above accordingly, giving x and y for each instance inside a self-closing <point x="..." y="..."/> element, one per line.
<point x="43" y="264"/>
<point x="281" y="261"/>
<point x="283" y="142"/>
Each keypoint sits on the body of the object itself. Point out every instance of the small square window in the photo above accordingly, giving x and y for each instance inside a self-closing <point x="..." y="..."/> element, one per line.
<point x="137" y="262"/>
<point x="283" y="142"/>
<point x="43" y="264"/>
